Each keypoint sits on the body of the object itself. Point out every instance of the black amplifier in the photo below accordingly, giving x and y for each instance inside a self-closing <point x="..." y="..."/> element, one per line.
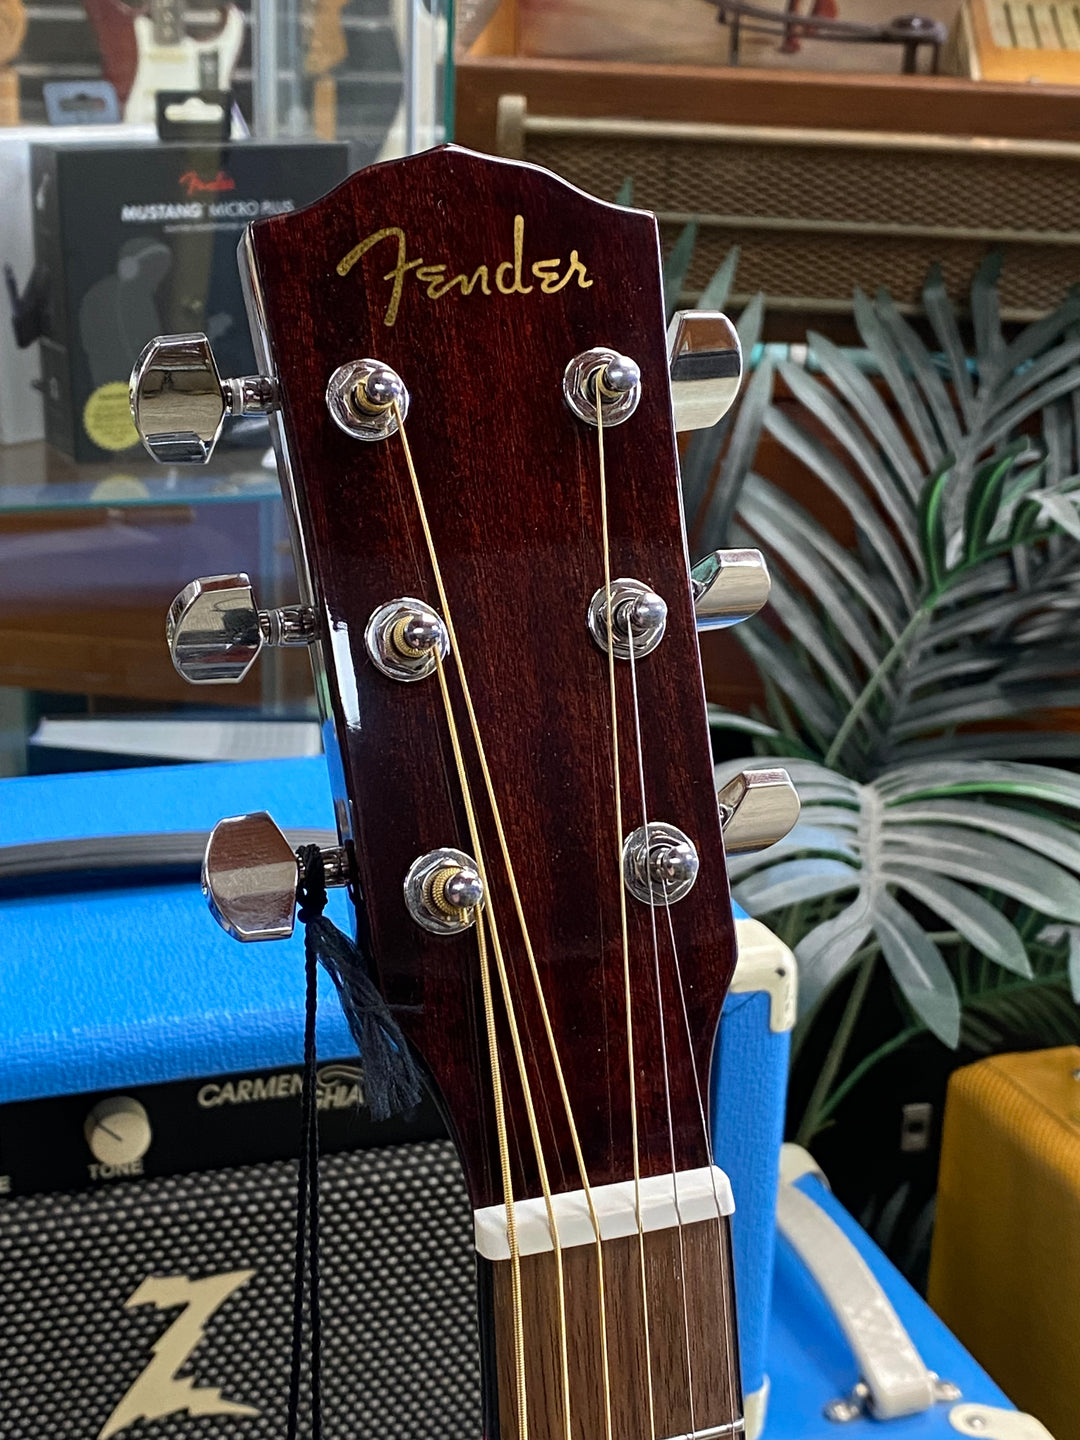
<point x="149" y="1124"/>
<point x="146" y="1265"/>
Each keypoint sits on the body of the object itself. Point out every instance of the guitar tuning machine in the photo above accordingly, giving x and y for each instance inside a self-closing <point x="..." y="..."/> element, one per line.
<point x="729" y="586"/>
<point x="757" y="809"/>
<point x="404" y="637"/>
<point x="705" y="365"/>
<point x="215" y="631"/>
<point x="179" y="401"/>
<point x="638" y="618"/>
<point x="366" y="398"/>
<point x="660" y="863"/>
<point x="444" y="891"/>
<point x="250" y="876"/>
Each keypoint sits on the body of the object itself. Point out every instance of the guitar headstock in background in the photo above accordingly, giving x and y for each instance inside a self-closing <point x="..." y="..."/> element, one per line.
<point x="461" y="574"/>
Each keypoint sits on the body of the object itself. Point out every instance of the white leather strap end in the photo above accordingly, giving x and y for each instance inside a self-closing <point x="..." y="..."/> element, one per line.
<point x="891" y="1367"/>
<point x="766" y="963"/>
<point x="702" y="1195"/>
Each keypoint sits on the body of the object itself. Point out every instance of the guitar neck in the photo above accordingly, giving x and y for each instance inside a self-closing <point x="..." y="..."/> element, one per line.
<point x="677" y="1377"/>
<point x="474" y="403"/>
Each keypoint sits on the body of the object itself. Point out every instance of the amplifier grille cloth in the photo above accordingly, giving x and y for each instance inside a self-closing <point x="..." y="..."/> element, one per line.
<point x="825" y="184"/>
<point x="400" y="1346"/>
<point x="991" y="189"/>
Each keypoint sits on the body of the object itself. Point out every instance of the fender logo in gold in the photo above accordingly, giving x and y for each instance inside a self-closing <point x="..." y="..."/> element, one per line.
<point x="159" y="1390"/>
<point x="509" y="275"/>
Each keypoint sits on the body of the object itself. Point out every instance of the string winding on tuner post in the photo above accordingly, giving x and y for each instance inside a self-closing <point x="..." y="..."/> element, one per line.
<point x="367" y="399"/>
<point x="444" y="891"/>
<point x="602" y="380"/>
<point x="638" y="618"/>
<point x="406" y="639"/>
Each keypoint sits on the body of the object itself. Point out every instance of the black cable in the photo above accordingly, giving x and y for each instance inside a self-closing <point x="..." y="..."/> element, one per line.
<point x="391" y="1086"/>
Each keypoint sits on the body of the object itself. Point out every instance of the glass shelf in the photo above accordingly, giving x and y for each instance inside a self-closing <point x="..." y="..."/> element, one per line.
<point x="91" y="556"/>
<point x="35" y="478"/>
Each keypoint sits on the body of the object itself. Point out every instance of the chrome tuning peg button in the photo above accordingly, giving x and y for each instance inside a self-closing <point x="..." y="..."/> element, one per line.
<point x="729" y="587"/>
<point x="757" y="808"/>
<point x="179" y="401"/>
<point x="705" y="359"/>
<point x="660" y="863"/>
<point x="444" y="891"/>
<point x="215" y="630"/>
<point x="250" y="874"/>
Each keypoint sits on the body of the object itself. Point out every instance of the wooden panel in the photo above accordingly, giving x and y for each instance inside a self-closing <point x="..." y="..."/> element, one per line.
<point x="1025" y="43"/>
<point x="907" y="104"/>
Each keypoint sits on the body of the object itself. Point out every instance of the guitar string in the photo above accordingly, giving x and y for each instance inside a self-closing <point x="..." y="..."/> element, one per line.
<point x="521" y="1393"/>
<point x="486" y="917"/>
<point x="495" y="937"/>
<point x="726" y="1278"/>
<point x="663" y="1037"/>
<point x="530" y="954"/>
<point x="623" y="925"/>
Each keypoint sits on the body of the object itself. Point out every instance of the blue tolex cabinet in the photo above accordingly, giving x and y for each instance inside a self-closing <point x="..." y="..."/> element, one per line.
<point x="107" y="988"/>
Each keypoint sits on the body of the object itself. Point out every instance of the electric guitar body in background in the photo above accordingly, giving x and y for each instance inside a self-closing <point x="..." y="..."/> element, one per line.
<point x="148" y="49"/>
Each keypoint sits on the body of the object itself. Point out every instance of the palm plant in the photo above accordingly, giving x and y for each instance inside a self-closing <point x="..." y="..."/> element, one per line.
<point x="907" y="677"/>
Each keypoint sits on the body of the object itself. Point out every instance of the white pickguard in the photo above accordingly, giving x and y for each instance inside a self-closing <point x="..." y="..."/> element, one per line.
<point x="181" y="66"/>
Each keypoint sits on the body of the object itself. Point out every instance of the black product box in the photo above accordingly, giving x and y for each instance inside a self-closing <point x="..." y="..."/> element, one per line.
<point x="141" y="241"/>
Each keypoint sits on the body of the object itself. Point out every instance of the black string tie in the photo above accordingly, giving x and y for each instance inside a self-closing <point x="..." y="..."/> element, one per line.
<point x="391" y="1087"/>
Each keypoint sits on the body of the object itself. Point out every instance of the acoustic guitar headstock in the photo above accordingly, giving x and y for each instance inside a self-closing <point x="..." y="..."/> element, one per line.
<point x="503" y="623"/>
<point x="479" y="302"/>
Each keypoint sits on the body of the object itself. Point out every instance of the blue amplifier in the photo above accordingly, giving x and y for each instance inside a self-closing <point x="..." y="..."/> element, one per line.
<point x="149" y="1118"/>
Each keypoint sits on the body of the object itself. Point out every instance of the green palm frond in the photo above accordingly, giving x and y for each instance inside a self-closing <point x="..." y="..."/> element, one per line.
<point x="908" y="675"/>
<point x="918" y="850"/>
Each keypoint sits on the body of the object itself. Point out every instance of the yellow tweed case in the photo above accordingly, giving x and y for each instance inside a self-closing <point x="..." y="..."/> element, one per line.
<point x="1005" y="1267"/>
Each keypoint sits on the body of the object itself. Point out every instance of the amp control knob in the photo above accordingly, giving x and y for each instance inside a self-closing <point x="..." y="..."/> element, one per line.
<point x="118" y="1131"/>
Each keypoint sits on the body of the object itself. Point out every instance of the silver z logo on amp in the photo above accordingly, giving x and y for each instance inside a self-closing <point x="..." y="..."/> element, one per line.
<point x="159" y="1390"/>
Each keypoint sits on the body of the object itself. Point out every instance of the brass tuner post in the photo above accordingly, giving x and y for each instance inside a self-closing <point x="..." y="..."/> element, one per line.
<point x="406" y="638"/>
<point x="444" y="891"/>
<point x="365" y="399"/>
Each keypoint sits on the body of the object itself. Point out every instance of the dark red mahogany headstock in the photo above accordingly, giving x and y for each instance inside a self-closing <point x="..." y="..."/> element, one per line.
<point x="510" y="479"/>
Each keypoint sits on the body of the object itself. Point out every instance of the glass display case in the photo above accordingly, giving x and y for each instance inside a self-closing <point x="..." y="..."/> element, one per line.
<point x="371" y="72"/>
<point x="90" y="558"/>
<point x="95" y="538"/>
